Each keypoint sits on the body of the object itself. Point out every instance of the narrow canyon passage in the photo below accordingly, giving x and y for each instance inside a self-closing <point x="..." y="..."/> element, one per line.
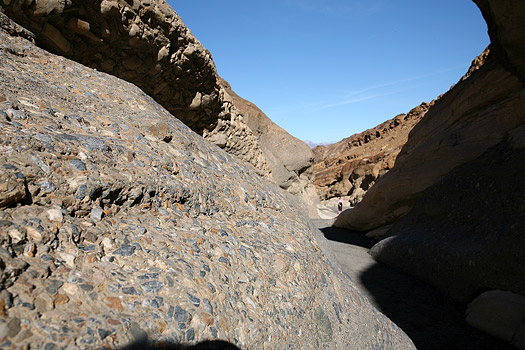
<point x="431" y="319"/>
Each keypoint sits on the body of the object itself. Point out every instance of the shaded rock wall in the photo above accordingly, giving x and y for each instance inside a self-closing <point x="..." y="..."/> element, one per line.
<point x="466" y="232"/>
<point x="118" y="223"/>
<point x="146" y="43"/>
<point x="455" y="195"/>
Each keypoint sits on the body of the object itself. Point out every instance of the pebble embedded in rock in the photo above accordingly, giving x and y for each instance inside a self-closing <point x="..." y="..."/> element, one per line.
<point x="78" y="164"/>
<point x="96" y="213"/>
<point x="152" y="286"/>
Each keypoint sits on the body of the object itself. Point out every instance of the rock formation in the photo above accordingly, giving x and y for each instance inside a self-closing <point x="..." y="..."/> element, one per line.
<point x="456" y="194"/>
<point x="145" y="42"/>
<point x="351" y="166"/>
<point x="290" y="159"/>
<point x="473" y="116"/>
<point x="119" y="224"/>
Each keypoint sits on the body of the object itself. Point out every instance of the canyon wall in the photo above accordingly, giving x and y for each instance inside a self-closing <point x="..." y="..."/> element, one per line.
<point x="145" y="42"/>
<point x="290" y="159"/>
<point x="119" y="225"/>
<point x="455" y="196"/>
<point x="351" y="166"/>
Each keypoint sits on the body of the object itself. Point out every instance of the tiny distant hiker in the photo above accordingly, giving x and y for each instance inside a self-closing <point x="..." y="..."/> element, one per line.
<point x="340" y="205"/>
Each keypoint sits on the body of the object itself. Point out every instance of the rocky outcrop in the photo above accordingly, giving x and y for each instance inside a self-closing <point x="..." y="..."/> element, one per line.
<point x="466" y="232"/>
<point x="455" y="195"/>
<point x="118" y="224"/>
<point x="351" y="166"/>
<point x="473" y="116"/>
<point x="145" y="42"/>
<point x="290" y="159"/>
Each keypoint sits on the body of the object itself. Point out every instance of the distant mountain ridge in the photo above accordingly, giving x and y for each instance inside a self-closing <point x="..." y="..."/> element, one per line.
<point x="312" y="144"/>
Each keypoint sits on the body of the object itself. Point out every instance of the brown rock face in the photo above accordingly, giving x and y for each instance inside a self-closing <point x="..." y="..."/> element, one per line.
<point x="472" y="117"/>
<point x="350" y="167"/>
<point x="505" y="22"/>
<point x="290" y="159"/>
<point x="456" y="195"/>
<point x="145" y="42"/>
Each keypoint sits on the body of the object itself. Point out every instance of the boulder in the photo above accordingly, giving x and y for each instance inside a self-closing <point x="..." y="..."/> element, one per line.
<point x="499" y="313"/>
<point x="122" y="228"/>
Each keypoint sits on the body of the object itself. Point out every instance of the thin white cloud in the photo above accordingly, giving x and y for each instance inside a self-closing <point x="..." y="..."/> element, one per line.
<point x="400" y="81"/>
<point x="338" y="6"/>
<point x="357" y="95"/>
<point x="347" y="101"/>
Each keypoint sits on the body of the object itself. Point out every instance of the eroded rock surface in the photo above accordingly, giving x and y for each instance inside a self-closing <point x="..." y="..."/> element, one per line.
<point x="456" y="194"/>
<point x="145" y="42"/>
<point x="118" y="222"/>
<point x="351" y="166"/>
<point x="290" y="159"/>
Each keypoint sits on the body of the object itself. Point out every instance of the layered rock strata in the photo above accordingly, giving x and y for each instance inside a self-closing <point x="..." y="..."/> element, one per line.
<point x="145" y="42"/>
<point x="351" y="166"/>
<point x="119" y="224"/>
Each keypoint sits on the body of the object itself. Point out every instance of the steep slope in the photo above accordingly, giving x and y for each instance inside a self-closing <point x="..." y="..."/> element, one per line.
<point x="290" y="159"/>
<point x="119" y="224"/>
<point x="457" y="183"/>
<point x="145" y="42"/>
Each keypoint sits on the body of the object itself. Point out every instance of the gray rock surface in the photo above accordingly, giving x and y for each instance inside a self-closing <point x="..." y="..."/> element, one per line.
<point x="119" y="223"/>
<point x="432" y="320"/>
<point x="499" y="313"/>
<point x="145" y="42"/>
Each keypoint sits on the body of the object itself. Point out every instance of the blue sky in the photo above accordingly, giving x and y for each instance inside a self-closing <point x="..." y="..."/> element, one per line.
<point x="324" y="70"/>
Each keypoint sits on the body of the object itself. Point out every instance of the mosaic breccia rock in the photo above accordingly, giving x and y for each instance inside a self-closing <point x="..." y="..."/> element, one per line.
<point x="117" y="223"/>
<point x="145" y="42"/>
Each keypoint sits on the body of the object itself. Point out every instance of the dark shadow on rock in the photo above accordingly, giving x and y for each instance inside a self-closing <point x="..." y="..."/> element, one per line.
<point x="349" y="237"/>
<point x="431" y="319"/>
<point x="147" y="344"/>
